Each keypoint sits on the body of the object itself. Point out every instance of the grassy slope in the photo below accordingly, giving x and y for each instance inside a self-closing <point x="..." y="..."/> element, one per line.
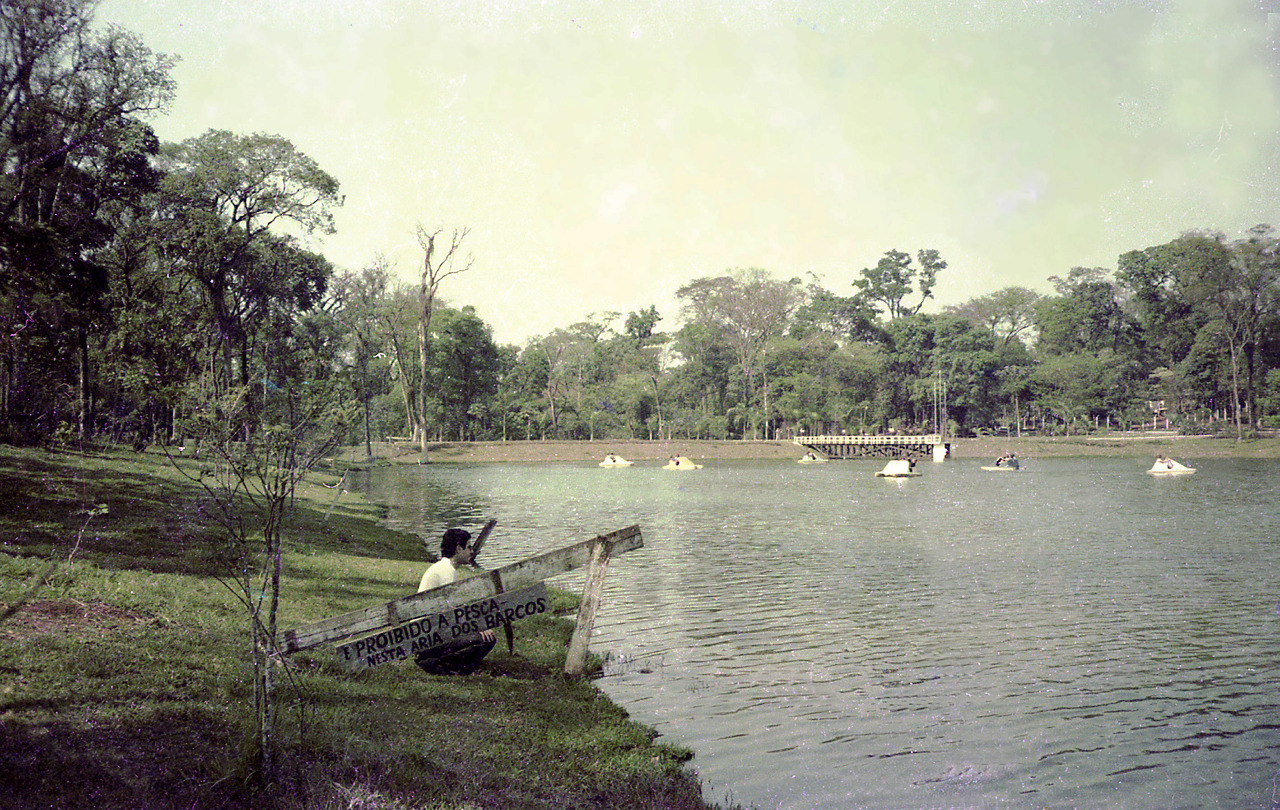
<point x="121" y="684"/>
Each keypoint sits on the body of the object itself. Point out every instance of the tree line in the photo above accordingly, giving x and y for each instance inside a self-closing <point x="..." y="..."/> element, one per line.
<point x="147" y="286"/>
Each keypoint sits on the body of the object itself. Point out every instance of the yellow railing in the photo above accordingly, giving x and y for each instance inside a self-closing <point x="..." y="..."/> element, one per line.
<point x="934" y="438"/>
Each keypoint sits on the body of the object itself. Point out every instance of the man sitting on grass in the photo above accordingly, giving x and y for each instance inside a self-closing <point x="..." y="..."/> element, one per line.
<point x="461" y="656"/>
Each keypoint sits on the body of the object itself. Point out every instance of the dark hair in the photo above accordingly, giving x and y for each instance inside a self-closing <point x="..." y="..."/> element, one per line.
<point x="453" y="540"/>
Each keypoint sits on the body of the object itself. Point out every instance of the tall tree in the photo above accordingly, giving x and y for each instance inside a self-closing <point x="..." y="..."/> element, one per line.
<point x="702" y="381"/>
<point x="966" y="361"/>
<point x="223" y="195"/>
<point x="1236" y="285"/>
<point x="467" y="368"/>
<point x="640" y="324"/>
<point x="528" y="380"/>
<point x="1169" y="320"/>
<point x="910" y="344"/>
<point x="895" y="277"/>
<point x="1085" y="316"/>
<point x="850" y="318"/>
<point x="144" y="365"/>
<point x="73" y="152"/>
<point x="357" y="298"/>
<point x="1080" y="385"/>
<point x="555" y="355"/>
<point x="274" y="407"/>
<point x="748" y="308"/>
<point x="1008" y="313"/>
<point x="1255" y="302"/>
<point x="398" y="320"/>
<point x="440" y="261"/>
<point x="818" y="383"/>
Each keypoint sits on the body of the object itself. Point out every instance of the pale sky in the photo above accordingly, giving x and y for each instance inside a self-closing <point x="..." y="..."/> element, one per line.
<point x="604" y="154"/>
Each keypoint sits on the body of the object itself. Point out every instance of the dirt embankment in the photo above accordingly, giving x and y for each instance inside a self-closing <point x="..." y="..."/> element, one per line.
<point x="554" y="450"/>
<point x="1124" y="445"/>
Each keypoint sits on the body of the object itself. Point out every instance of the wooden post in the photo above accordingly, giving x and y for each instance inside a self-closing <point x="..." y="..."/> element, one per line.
<point x="591" y="591"/>
<point x="506" y="626"/>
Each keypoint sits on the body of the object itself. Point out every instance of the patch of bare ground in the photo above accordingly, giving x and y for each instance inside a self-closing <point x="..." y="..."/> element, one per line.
<point x="69" y="617"/>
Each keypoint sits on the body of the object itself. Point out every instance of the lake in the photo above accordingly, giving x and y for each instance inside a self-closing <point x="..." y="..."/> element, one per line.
<point x="1077" y="634"/>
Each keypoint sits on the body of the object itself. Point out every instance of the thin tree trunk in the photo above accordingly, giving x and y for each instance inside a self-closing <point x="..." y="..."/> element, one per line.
<point x="268" y="677"/>
<point x="426" y="299"/>
<point x="364" y="395"/>
<point x="1235" y="386"/>
<point x="555" y="426"/>
<point x="82" y="350"/>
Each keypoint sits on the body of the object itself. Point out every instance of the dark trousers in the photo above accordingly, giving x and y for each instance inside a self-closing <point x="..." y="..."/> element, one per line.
<point x="455" y="658"/>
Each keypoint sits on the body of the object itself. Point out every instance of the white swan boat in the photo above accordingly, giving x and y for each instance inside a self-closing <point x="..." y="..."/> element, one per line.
<point x="1167" y="466"/>
<point x="681" y="463"/>
<point x="898" y="468"/>
<point x="615" y="461"/>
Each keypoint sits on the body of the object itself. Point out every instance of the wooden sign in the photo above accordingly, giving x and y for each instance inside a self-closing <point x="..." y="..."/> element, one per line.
<point x="438" y="600"/>
<point x="462" y="622"/>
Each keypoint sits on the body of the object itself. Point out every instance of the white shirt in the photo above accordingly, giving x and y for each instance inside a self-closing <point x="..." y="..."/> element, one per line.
<point x="440" y="573"/>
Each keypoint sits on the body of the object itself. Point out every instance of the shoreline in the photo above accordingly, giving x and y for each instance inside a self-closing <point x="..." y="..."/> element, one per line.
<point x="1124" y="445"/>
<point x="157" y="621"/>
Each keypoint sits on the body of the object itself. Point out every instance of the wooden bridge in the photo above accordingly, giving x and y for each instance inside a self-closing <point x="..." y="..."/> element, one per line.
<point x="891" y="446"/>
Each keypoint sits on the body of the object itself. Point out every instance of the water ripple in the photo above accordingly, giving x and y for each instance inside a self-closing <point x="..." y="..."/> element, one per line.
<point x="1081" y="635"/>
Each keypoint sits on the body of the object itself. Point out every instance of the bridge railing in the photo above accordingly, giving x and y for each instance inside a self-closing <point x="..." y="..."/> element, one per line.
<point x="933" y="438"/>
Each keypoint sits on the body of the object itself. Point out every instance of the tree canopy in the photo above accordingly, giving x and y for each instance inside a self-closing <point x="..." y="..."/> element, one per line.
<point x="140" y="281"/>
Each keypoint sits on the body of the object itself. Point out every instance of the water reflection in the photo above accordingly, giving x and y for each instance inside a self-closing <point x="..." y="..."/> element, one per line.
<point x="1080" y="634"/>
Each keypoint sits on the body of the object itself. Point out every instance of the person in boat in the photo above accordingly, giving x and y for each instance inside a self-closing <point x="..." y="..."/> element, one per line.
<point x="1165" y="460"/>
<point x="461" y="656"/>
<point x="611" y="459"/>
<point x="911" y="462"/>
<point x="1009" y="459"/>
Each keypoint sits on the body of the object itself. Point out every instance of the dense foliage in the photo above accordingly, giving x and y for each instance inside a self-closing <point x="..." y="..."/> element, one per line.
<point x="140" y="282"/>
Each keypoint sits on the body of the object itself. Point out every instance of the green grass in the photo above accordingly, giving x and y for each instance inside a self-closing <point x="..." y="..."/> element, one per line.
<point x="124" y="682"/>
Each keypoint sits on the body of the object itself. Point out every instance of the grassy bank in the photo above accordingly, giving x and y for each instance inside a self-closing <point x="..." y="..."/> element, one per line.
<point x="123" y="681"/>
<point x="1112" y="444"/>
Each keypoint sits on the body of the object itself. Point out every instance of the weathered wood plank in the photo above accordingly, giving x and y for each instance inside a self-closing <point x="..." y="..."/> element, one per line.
<point x="463" y="621"/>
<point x="510" y="577"/>
<point x="576" y="658"/>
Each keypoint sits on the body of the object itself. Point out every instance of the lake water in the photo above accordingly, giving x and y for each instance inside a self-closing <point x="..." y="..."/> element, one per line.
<point x="1078" y="634"/>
